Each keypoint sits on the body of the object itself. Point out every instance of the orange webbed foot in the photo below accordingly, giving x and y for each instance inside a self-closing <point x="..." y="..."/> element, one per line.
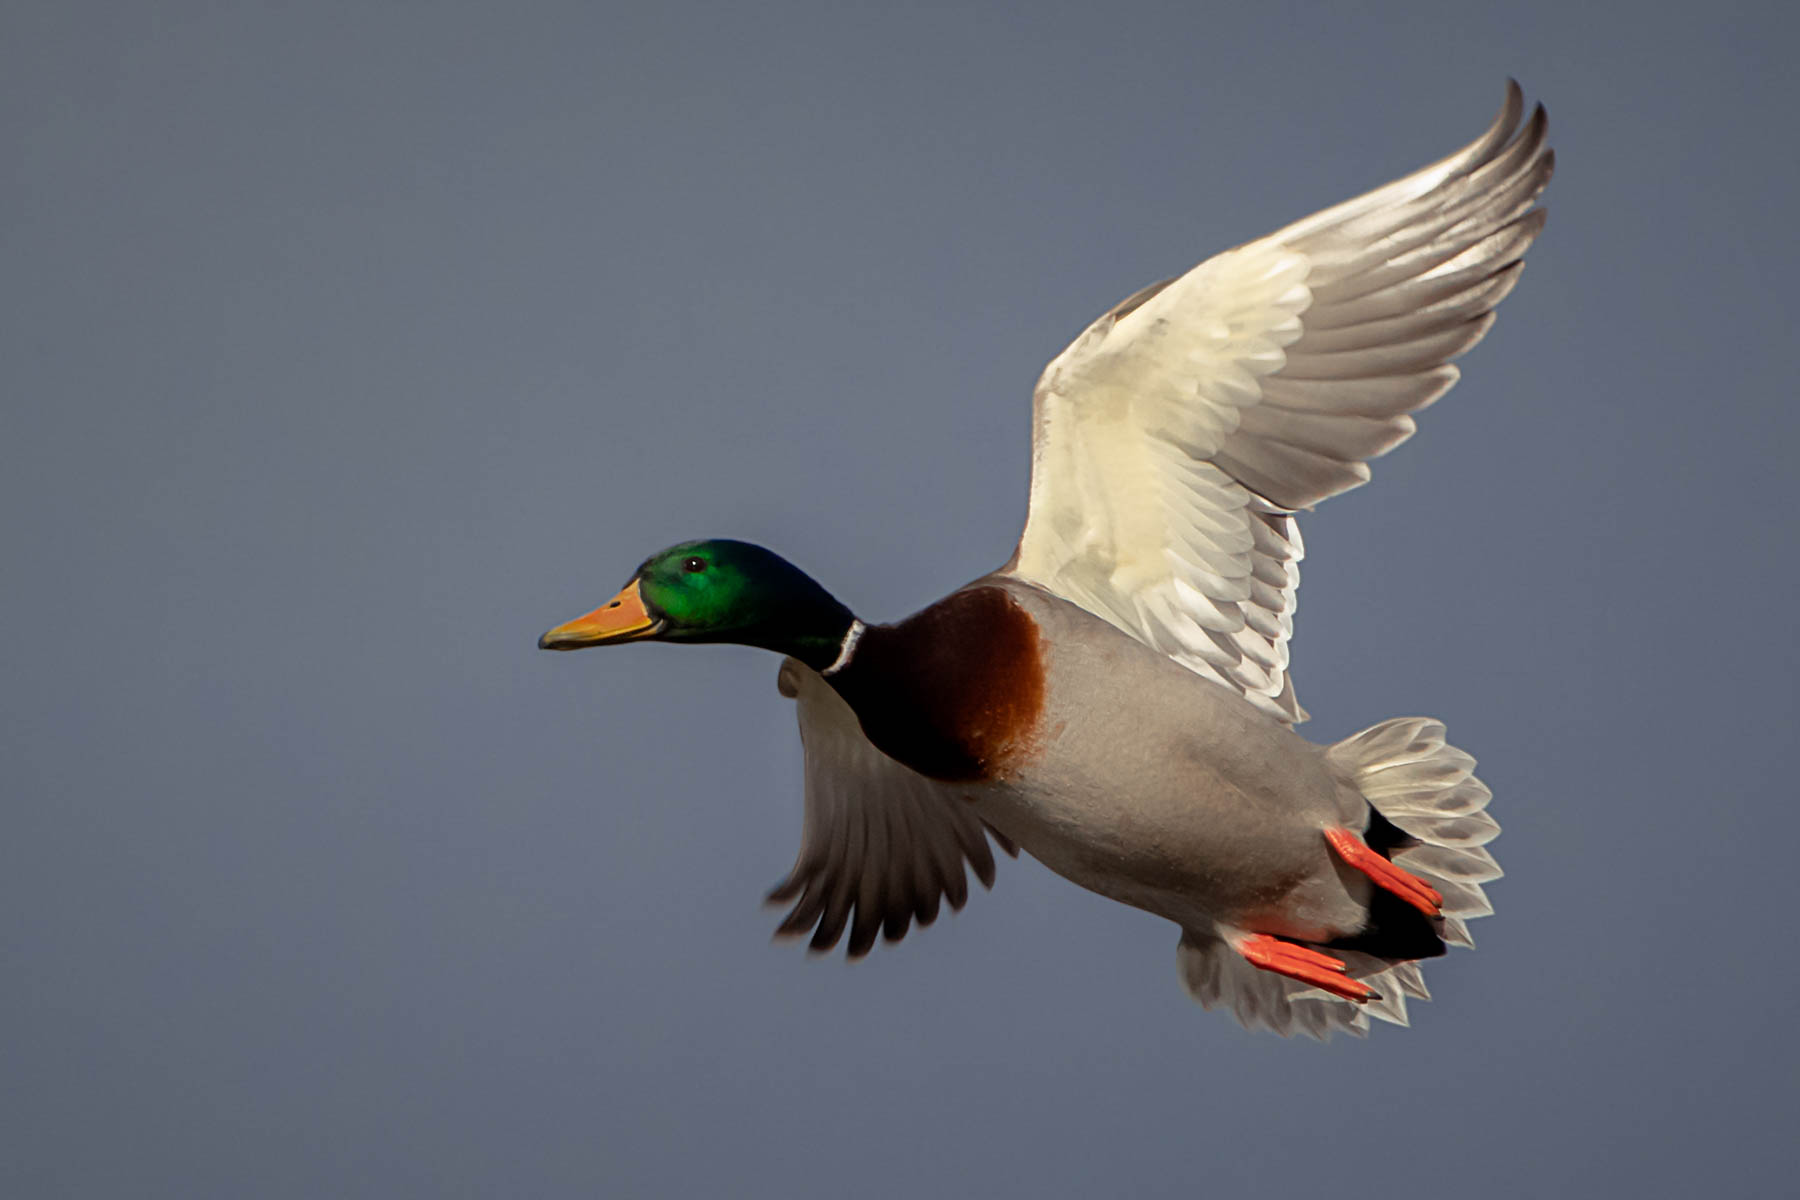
<point x="1308" y="966"/>
<point x="1384" y="874"/>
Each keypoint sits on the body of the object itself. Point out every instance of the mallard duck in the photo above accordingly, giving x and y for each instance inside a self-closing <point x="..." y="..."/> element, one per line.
<point x="1115" y="700"/>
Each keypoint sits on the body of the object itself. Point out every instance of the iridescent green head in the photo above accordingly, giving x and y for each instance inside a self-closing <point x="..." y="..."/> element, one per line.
<point x="716" y="591"/>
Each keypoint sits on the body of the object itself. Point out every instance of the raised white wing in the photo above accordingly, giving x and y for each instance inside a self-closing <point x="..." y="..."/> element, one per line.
<point x="1176" y="436"/>
<point x="881" y="844"/>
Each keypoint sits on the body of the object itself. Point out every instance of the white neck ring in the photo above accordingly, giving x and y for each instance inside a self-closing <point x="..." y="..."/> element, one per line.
<point x="848" y="648"/>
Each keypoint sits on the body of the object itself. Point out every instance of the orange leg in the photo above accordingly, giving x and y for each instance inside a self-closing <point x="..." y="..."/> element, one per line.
<point x="1308" y="966"/>
<point x="1386" y="875"/>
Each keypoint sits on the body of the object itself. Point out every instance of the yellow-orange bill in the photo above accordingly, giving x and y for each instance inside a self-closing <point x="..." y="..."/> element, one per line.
<point x="621" y="619"/>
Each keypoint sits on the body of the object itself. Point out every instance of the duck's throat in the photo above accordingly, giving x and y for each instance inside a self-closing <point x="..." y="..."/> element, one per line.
<point x="812" y="626"/>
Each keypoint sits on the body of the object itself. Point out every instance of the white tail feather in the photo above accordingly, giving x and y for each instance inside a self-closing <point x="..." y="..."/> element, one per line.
<point x="1427" y="788"/>
<point x="1216" y="975"/>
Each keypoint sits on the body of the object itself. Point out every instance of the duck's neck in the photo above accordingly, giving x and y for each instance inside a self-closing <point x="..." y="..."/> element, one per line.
<point x="821" y="633"/>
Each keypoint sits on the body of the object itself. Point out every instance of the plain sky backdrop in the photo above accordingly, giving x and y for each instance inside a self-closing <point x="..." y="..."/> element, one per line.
<point x="345" y="347"/>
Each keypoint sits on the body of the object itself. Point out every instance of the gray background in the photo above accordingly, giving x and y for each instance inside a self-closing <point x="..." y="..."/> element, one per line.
<point x="346" y="347"/>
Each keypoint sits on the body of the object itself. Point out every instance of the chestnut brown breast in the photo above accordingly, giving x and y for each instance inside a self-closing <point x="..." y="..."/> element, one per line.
<point x="956" y="690"/>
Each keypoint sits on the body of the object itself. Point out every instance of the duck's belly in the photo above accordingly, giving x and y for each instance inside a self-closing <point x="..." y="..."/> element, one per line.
<point x="1159" y="789"/>
<point x="1196" y="854"/>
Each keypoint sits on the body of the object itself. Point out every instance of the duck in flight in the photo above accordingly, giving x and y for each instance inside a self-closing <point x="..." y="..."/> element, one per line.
<point x="1115" y="701"/>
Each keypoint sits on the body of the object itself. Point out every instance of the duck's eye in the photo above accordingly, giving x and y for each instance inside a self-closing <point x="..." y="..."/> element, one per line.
<point x="693" y="565"/>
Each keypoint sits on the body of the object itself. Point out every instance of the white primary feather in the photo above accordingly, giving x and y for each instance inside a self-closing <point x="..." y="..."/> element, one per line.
<point x="1179" y="433"/>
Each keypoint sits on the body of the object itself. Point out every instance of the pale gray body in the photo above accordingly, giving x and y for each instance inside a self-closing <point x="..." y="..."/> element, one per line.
<point x="1161" y="789"/>
<point x="1148" y="784"/>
